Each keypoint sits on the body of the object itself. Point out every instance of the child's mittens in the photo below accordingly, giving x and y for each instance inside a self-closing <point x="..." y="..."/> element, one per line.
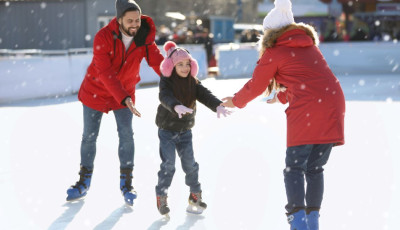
<point x="182" y="110"/>
<point x="222" y="110"/>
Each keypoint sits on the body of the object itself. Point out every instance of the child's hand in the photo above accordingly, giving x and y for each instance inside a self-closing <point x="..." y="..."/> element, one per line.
<point x="273" y="100"/>
<point x="221" y="110"/>
<point x="182" y="110"/>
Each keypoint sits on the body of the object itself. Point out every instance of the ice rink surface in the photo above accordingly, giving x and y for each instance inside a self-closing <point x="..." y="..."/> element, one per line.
<point x="241" y="160"/>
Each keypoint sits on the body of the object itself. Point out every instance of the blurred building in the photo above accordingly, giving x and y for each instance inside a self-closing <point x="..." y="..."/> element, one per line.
<point x="338" y="20"/>
<point x="51" y="24"/>
<point x="64" y="24"/>
<point x="367" y="19"/>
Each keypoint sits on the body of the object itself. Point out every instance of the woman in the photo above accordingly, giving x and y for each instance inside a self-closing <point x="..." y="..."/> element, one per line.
<point x="291" y="64"/>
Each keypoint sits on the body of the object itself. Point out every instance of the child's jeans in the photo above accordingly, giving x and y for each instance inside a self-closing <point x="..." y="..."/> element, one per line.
<point x="305" y="160"/>
<point x="182" y="143"/>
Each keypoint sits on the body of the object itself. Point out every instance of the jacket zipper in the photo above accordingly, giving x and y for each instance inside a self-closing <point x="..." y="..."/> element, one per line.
<point x="123" y="54"/>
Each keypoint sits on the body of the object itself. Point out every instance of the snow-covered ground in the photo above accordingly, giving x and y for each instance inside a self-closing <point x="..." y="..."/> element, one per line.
<point x="241" y="161"/>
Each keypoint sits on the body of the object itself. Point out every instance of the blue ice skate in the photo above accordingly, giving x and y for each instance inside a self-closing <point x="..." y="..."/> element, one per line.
<point x="298" y="220"/>
<point x="126" y="186"/>
<point x="79" y="190"/>
<point x="313" y="220"/>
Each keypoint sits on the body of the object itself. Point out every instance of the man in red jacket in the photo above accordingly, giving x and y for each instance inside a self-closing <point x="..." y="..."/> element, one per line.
<point x="291" y="64"/>
<point x="109" y="84"/>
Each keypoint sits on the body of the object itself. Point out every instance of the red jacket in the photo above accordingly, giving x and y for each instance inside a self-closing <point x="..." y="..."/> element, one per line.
<point x="114" y="72"/>
<point x="315" y="114"/>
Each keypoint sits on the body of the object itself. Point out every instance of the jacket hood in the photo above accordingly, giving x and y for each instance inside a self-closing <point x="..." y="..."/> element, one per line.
<point x="293" y="35"/>
<point x="145" y="35"/>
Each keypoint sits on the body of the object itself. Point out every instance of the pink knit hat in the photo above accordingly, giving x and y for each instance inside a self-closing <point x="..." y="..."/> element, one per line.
<point x="174" y="55"/>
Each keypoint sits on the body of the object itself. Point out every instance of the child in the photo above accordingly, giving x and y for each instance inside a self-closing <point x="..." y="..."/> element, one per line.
<point x="292" y="65"/>
<point x="179" y="90"/>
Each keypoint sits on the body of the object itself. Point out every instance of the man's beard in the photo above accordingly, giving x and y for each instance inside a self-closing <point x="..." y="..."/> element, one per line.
<point x="126" y="30"/>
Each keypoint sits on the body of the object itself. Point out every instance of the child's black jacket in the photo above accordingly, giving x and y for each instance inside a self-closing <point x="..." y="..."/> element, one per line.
<point x="168" y="119"/>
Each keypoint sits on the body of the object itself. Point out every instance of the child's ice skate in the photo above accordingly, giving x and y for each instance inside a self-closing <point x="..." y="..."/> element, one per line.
<point x="162" y="206"/>
<point x="196" y="204"/>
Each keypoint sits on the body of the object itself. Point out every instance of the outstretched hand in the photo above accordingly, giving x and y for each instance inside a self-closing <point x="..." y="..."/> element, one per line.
<point x="182" y="110"/>
<point x="131" y="106"/>
<point x="273" y="100"/>
<point x="227" y="102"/>
<point x="221" y="110"/>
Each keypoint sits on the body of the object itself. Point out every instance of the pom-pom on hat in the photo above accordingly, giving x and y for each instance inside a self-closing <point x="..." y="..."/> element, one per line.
<point x="176" y="54"/>
<point x="123" y="5"/>
<point x="279" y="16"/>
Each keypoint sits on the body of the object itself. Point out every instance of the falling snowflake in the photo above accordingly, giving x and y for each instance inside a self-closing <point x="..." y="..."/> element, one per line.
<point x="43" y="5"/>
<point x="7" y="4"/>
<point x="88" y="37"/>
<point x="361" y="82"/>
<point x="1" y="40"/>
<point x="386" y="37"/>
<point x="389" y="100"/>
<point x="377" y="23"/>
<point x="395" y="67"/>
<point x="336" y="52"/>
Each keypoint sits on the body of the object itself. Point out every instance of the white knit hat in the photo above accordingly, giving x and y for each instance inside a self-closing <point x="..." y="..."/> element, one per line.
<point x="279" y="16"/>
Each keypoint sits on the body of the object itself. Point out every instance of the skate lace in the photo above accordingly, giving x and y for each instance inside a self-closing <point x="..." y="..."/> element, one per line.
<point x="162" y="201"/>
<point x="196" y="197"/>
<point x="81" y="181"/>
<point x="128" y="182"/>
<point x="290" y="218"/>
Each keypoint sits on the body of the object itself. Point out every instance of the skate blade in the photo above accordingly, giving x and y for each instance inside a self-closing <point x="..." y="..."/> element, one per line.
<point x="72" y="199"/>
<point x="194" y="210"/>
<point x="167" y="217"/>
<point x="130" y="200"/>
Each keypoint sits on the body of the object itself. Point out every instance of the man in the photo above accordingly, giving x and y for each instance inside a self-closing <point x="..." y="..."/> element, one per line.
<point x="109" y="84"/>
